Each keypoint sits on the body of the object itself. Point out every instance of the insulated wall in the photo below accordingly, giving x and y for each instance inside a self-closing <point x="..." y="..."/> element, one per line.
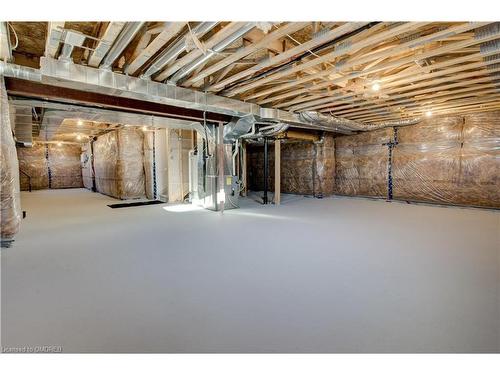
<point x="306" y="167"/>
<point x="361" y="163"/>
<point x="33" y="166"/>
<point x="448" y="160"/>
<point x="64" y="166"/>
<point x="50" y="166"/>
<point x="10" y="208"/>
<point x="119" y="164"/>
<point x="87" y="167"/>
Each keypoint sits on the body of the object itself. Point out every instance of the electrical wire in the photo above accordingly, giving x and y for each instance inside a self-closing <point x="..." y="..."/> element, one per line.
<point x="15" y="34"/>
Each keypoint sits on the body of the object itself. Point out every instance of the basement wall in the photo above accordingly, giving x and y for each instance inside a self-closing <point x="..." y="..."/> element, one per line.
<point x="447" y="160"/>
<point x="451" y="160"/>
<point x="180" y="142"/>
<point x="10" y="207"/>
<point x="50" y="166"/>
<point x="306" y="168"/>
<point x="119" y="164"/>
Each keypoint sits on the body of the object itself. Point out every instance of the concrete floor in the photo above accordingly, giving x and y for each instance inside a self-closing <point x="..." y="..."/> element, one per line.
<point x="330" y="275"/>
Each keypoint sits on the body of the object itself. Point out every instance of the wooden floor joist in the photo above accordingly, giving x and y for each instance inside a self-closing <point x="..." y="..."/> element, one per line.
<point x="329" y="67"/>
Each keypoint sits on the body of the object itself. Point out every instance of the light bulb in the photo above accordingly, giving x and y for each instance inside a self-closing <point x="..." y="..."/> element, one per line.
<point x="79" y="123"/>
<point x="78" y="137"/>
<point x="375" y="86"/>
<point x="144" y="128"/>
<point x="428" y="113"/>
<point x="59" y="144"/>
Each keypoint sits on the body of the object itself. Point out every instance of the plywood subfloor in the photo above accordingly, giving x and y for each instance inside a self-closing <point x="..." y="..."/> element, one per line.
<point x="330" y="275"/>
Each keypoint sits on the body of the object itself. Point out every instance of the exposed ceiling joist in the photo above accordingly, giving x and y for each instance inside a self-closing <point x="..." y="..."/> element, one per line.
<point x="104" y="45"/>
<point x="170" y="30"/>
<point x="54" y="34"/>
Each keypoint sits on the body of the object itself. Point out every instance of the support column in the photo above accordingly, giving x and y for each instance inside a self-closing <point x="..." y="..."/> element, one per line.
<point x="244" y="169"/>
<point x="277" y="172"/>
<point x="220" y="157"/>
<point x="266" y="170"/>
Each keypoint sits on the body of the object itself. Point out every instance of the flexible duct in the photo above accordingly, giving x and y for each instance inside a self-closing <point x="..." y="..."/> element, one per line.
<point x="342" y="124"/>
<point x="238" y="127"/>
<point x="268" y="131"/>
<point x="171" y="53"/>
<point x="126" y="36"/>
<point x="217" y="48"/>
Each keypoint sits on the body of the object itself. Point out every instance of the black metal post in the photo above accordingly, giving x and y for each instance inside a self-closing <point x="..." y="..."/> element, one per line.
<point x="266" y="170"/>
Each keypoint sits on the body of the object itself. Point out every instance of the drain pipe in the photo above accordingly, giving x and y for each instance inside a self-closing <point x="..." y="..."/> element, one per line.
<point x="171" y="53"/>
<point x="217" y="48"/>
<point x="126" y="36"/>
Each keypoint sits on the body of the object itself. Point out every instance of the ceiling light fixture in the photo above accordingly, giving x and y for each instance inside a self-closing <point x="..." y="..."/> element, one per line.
<point x="59" y="144"/>
<point x="79" y="123"/>
<point x="144" y="128"/>
<point x="78" y="137"/>
<point x="428" y="113"/>
<point x="376" y="86"/>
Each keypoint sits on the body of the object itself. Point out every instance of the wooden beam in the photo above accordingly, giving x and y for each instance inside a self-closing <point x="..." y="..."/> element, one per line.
<point x="405" y="84"/>
<point x="106" y="42"/>
<point x="170" y="30"/>
<point x="43" y="91"/>
<point x="390" y="64"/>
<point x="274" y="35"/>
<point x="196" y="52"/>
<point x="349" y="47"/>
<point x="408" y="72"/>
<point x="327" y="36"/>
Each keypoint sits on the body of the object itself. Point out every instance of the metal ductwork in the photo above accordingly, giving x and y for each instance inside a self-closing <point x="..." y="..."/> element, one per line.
<point x="62" y="74"/>
<point x="238" y="127"/>
<point x="71" y="40"/>
<point x="343" y="124"/>
<point x="169" y="54"/>
<point x="217" y="48"/>
<point x="268" y="131"/>
<point x="126" y="36"/>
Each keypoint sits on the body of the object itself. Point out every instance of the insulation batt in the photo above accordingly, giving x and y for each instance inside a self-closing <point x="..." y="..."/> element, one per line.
<point x="63" y="162"/>
<point x="306" y="167"/>
<point x="361" y="163"/>
<point x="118" y="164"/>
<point x="65" y="167"/>
<point x="33" y="163"/>
<point x="10" y="207"/>
<point x="447" y="160"/>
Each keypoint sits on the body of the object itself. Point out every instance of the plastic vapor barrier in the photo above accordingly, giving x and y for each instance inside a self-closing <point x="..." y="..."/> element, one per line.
<point x="118" y="164"/>
<point x="87" y="169"/>
<point x="33" y="167"/>
<point x="64" y="165"/>
<point x="148" y="163"/>
<point x="10" y="208"/>
<point x="306" y="167"/>
<point x="361" y="163"/>
<point x="447" y="160"/>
